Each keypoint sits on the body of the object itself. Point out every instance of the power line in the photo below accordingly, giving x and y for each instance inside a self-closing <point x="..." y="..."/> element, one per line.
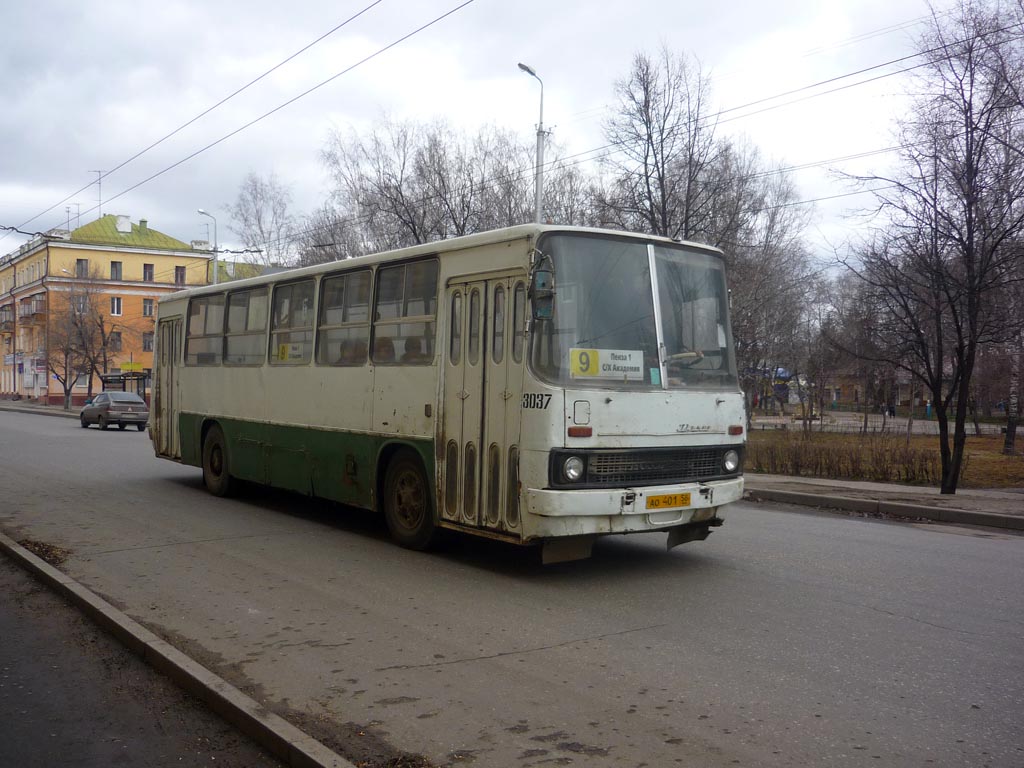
<point x="364" y="10"/>
<point x="292" y="100"/>
<point x="205" y="112"/>
<point x="610" y="148"/>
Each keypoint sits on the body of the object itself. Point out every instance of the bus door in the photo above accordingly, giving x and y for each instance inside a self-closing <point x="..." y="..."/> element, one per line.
<point x="165" y="397"/>
<point x="481" y="403"/>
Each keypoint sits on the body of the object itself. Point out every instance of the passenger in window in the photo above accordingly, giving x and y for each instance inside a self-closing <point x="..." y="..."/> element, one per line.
<point x="346" y="352"/>
<point x="383" y="350"/>
<point x="414" y="353"/>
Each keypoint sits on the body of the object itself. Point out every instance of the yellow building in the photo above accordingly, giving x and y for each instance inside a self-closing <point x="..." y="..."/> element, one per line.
<point x="77" y="304"/>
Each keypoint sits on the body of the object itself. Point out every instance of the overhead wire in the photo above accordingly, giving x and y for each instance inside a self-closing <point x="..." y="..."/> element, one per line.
<point x="287" y="103"/>
<point x="205" y="112"/>
<point x="606" y="149"/>
<point x="327" y="34"/>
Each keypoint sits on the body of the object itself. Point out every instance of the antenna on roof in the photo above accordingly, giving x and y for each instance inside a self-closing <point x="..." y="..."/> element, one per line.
<point x="99" y="194"/>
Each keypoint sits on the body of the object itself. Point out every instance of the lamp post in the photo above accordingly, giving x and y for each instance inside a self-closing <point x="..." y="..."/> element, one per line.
<point x="216" y="268"/>
<point x="539" y="183"/>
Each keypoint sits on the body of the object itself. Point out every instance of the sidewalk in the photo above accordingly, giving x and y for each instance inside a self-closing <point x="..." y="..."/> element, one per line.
<point x="28" y="406"/>
<point x="1000" y="509"/>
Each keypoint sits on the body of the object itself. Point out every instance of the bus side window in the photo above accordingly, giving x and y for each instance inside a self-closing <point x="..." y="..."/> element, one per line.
<point x="343" y="326"/>
<point x="455" y="329"/>
<point x="474" y="327"/>
<point x="204" y="343"/>
<point x="518" y="322"/>
<point x="498" y="327"/>
<point x="405" y="311"/>
<point x="291" y="331"/>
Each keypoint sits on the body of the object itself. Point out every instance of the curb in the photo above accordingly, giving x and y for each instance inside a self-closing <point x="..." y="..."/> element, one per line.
<point x="61" y="413"/>
<point x="878" y="507"/>
<point x="279" y="737"/>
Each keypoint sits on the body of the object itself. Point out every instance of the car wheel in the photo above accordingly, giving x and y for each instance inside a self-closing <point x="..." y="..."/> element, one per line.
<point x="216" y="467"/>
<point x="102" y="422"/>
<point x="84" y="423"/>
<point x="121" y="426"/>
<point x="142" y="427"/>
<point x="408" y="509"/>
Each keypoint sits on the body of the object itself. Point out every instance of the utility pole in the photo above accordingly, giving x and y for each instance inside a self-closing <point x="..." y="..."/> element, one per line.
<point x="539" y="182"/>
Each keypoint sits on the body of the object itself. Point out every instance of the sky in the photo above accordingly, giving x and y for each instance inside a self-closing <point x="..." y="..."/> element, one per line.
<point x="86" y="86"/>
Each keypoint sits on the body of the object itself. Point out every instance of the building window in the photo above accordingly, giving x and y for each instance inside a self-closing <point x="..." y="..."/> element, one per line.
<point x="179" y="275"/>
<point x="81" y="268"/>
<point x="115" y="270"/>
<point x="114" y="341"/>
<point x="147" y="273"/>
<point x="115" y="306"/>
<point x="147" y="341"/>
<point x="147" y="307"/>
<point x="80" y="304"/>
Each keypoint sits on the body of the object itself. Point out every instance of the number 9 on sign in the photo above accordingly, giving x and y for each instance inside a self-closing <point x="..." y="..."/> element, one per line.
<point x="584" y="362"/>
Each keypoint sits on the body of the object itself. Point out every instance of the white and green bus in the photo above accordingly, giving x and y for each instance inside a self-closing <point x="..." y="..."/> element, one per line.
<point x="536" y="384"/>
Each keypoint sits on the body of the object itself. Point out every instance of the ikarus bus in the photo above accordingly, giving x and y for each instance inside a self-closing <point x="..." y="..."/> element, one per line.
<point x="537" y="384"/>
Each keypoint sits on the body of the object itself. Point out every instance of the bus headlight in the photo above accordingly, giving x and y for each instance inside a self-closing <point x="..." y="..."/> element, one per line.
<point x="572" y="469"/>
<point x="731" y="461"/>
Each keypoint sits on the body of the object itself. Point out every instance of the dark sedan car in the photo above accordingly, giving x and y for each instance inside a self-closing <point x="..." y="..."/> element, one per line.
<point x="121" y="408"/>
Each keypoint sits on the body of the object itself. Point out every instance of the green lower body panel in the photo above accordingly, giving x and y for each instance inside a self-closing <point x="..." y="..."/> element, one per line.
<point x="331" y="464"/>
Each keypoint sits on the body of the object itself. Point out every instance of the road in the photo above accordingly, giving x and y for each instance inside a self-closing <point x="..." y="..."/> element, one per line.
<point x="787" y="638"/>
<point x="73" y="696"/>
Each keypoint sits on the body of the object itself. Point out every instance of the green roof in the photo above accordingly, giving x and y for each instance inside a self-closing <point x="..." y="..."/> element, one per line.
<point x="103" y="231"/>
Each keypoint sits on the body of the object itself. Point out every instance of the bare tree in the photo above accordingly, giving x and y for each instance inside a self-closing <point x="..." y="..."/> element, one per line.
<point x="260" y="217"/>
<point x="65" y="356"/>
<point x="941" y="267"/>
<point x="409" y="183"/>
<point x="665" y="136"/>
<point x="327" y="235"/>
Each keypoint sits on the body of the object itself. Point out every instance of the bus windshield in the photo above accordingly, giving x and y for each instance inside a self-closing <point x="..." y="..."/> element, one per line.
<point x="616" y="325"/>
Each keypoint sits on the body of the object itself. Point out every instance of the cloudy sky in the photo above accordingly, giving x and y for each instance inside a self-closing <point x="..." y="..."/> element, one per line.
<point x="86" y="86"/>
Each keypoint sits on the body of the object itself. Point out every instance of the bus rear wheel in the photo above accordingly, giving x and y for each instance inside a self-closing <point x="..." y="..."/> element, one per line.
<point x="407" y="504"/>
<point x="216" y="469"/>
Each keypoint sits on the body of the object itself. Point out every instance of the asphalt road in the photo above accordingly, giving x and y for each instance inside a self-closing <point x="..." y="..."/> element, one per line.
<point x="787" y="638"/>
<point x="73" y="697"/>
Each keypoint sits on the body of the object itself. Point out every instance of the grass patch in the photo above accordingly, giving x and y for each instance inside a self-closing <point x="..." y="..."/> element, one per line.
<point x="880" y="458"/>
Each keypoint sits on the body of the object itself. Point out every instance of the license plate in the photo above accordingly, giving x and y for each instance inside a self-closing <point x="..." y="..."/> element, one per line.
<point x="668" y="500"/>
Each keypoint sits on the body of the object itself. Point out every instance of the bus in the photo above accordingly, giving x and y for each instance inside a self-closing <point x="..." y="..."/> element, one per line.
<point x="538" y="384"/>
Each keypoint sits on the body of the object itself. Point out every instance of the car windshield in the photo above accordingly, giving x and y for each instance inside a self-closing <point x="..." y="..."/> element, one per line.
<point x="125" y="397"/>
<point x="604" y="325"/>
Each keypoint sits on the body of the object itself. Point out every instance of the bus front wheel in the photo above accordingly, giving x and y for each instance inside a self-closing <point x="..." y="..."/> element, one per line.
<point x="216" y="471"/>
<point x="407" y="506"/>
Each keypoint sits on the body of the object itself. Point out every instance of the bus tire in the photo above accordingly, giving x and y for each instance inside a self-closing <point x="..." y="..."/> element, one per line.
<point x="407" y="503"/>
<point x="216" y="468"/>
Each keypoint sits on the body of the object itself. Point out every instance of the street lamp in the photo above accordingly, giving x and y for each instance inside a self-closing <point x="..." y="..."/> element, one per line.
<point x="539" y="187"/>
<point x="215" y="266"/>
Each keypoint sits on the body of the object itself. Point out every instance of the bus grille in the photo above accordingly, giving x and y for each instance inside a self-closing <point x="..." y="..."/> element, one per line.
<point x="650" y="467"/>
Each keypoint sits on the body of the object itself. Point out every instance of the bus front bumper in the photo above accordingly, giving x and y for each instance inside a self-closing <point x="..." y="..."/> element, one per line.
<point x="576" y="512"/>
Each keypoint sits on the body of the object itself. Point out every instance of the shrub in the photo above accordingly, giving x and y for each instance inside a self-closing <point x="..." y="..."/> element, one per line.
<point x="874" y="456"/>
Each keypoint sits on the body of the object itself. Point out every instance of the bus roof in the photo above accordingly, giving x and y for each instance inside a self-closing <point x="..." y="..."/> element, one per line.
<point x="492" y="236"/>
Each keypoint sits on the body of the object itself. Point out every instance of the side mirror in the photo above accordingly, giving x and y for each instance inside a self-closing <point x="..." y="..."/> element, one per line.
<point x="542" y="289"/>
